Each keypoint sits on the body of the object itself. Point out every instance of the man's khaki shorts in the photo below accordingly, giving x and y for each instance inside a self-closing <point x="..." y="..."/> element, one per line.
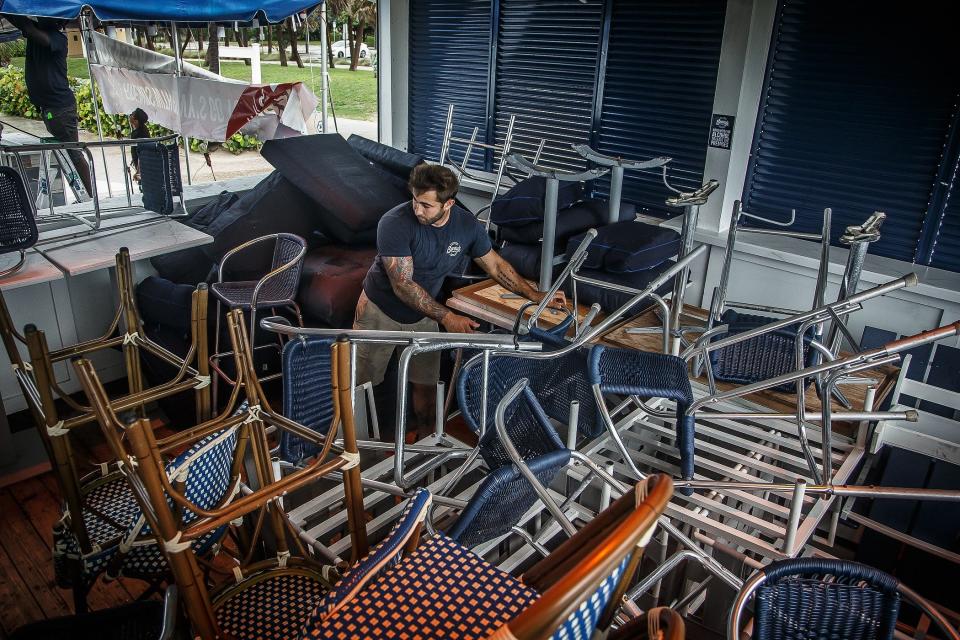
<point x="372" y="359"/>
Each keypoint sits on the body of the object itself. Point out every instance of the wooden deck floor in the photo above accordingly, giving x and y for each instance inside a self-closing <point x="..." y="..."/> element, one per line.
<point x="28" y="511"/>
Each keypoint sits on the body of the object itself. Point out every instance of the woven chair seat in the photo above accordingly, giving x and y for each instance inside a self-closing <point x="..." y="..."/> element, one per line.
<point x="649" y="375"/>
<point x="271" y="606"/>
<point x="442" y="590"/>
<point x="239" y="295"/>
<point x="760" y="358"/>
<point x="112" y="516"/>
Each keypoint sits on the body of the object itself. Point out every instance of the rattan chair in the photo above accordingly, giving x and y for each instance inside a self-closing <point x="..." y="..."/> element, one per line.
<point x="160" y="177"/>
<point x="307" y="367"/>
<point x="659" y="623"/>
<point x="81" y="538"/>
<point x="437" y="588"/>
<point x="275" y="582"/>
<point x="628" y="372"/>
<point x="18" y="226"/>
<point x="822" y="598"/>
<point x="276" y="289"/>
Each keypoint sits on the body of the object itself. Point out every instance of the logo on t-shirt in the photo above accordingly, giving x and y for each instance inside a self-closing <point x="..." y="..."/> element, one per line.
<point x="453" y="249"/>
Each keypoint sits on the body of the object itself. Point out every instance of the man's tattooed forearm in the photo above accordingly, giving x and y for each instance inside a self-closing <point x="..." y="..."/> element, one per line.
<point x="400" y="272"/>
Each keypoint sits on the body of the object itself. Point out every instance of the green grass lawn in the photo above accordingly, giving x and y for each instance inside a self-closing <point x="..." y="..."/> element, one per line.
<point x="354" y="92"/>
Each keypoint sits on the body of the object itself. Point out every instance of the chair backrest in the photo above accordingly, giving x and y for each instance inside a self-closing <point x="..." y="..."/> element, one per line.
<point x="582" y="577"/>
<point x="555" y="382"/>
<point x="503" y="497"/>
<point x="812" y="597"/>
<point x="529" y="429"/>
<point x="18" y="227"/>
<point x="307" y="393"/>
<point x="284" y="285"/>
<point x="159" y="175"/>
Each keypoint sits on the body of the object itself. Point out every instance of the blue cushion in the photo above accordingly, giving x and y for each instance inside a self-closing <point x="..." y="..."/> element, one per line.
<point x="523" y="203"/>
<point x="628" y="247"/>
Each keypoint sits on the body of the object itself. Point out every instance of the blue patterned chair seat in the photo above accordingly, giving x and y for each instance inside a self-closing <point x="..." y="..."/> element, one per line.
<point x="121" y="540"/>
<point x="442" y="590"/>
<point x="307" y="399"/>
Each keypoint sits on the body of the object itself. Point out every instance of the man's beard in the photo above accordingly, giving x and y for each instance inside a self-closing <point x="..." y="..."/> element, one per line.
<point x="438" y="217"/>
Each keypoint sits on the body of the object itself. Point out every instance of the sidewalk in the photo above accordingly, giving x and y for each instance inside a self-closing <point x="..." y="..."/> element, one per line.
<point x="225" y="165"/>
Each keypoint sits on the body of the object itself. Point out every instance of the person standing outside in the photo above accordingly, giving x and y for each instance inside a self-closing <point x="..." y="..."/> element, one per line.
<point x="419" y="244"/>
<point x="47" y="86"/>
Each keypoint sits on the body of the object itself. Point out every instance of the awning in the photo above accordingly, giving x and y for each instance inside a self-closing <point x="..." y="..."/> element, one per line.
<point x="177" y="11"/>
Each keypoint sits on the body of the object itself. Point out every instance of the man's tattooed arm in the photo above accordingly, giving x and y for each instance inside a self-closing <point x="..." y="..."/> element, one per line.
<point x="400" y="272"/>
<point x="506" y="276"/>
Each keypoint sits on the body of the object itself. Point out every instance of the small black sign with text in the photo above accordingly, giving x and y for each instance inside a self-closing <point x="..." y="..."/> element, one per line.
<point x="721" y="131"/>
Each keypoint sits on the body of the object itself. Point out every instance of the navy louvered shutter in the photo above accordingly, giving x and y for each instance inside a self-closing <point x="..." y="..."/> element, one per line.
<point x="854" y="115"/>
<point x="661" y="75"/>
<point x="449" y="63"/>
<point x="547" y="53"/>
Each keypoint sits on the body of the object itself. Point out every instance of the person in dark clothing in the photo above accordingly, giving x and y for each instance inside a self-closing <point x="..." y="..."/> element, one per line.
<point x="419" y="244"/>
<point x="46" y="74"/>
<point x="138" y="129"/>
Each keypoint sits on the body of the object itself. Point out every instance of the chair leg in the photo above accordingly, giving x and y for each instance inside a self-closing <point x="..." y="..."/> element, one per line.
<point x="21" y="262"/>
<point x="215" y="357"/>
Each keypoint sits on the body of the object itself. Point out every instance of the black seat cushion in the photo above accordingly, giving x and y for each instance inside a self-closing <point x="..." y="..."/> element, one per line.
<point x="628" y="247"/>
<point x="524" y="202"/>
<point x="570" y="221"/>
<point x="349" y="195"/>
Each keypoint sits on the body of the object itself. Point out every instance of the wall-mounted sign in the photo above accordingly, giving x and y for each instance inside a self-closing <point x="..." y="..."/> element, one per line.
<point x="721" y="131"/>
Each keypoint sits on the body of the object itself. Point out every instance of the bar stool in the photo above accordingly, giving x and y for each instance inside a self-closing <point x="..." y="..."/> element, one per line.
<point x="275" y="289"/>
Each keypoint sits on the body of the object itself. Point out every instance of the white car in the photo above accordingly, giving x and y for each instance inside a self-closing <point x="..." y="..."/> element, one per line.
<point x="341" y="49"/>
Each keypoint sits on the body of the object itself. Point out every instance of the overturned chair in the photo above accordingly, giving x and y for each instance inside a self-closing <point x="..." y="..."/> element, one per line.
<point x="82" y="534"/>
<point x="273" y="571"/>
<point x="573" y="592"/>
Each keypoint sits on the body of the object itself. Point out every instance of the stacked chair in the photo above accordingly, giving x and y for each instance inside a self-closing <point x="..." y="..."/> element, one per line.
<point x="18" y="226"/>
<point x="98" y="508"/>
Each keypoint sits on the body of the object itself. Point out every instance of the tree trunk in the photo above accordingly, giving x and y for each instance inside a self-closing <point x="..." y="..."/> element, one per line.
<point x="186" y="40"/>
<point x="294" y="49"/>
<point x="269" y="39"/>
<point x="241" y="35"/>
<point x="213" y="49"/>
<point x="282" y="44"/>
<point x="332" y="61"/>
<point x="150" y="41"/>
<point x="138" y="35"/>
<point x="199" y="42"/>
<point x="356" y="36"/>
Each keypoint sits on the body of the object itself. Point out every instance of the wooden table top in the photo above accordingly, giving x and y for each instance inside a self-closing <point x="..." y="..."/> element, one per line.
<point x="484" y="300"/>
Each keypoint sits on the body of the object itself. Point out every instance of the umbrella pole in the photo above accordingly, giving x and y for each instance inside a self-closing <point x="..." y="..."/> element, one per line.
<point x="175" y="41"/>
<point x="88" y="43"/>
<point x="324" y="88"/>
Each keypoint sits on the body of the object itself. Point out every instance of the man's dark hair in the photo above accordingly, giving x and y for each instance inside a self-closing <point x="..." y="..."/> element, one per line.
<point x="427" y="177"/>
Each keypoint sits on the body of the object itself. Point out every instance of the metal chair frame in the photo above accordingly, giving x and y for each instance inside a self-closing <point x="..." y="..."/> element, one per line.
<point x="460" y="169"/>
<point x="815" y="567"/>
<point x="275" y="270"/>
<point x="54" y="217"/>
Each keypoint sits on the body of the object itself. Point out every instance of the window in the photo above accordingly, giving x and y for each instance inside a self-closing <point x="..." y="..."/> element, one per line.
<point x="859" y="113"/>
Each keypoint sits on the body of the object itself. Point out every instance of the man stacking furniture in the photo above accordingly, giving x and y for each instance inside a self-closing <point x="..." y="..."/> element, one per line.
<point x="418" y="245"/>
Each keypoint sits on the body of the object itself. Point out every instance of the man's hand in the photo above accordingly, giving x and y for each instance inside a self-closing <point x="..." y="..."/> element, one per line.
<point x="458" y="324"/>
<point x="559" y="300"/>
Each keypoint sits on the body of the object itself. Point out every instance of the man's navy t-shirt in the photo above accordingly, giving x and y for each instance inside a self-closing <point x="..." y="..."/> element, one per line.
<point x="437" y="252"/>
